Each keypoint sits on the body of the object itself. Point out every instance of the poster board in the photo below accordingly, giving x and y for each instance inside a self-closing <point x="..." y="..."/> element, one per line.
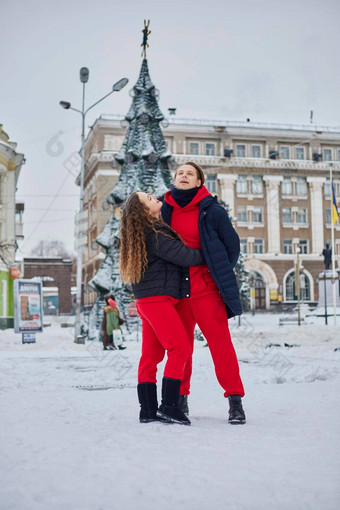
<point x="28" y="300"/>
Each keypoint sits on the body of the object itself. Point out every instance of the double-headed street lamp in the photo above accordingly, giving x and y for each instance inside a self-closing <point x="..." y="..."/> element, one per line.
<point x="84" y="77"/>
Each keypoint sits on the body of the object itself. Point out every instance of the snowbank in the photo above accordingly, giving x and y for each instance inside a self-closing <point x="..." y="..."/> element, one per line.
<point x="70" y="436"/>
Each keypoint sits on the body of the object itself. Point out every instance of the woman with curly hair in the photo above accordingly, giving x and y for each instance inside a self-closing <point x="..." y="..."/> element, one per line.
<point x="151" y="259"/>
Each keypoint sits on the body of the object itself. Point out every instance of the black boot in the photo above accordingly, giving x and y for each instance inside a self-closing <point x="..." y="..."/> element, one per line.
<point x="236" y="412"/>
<point x="183" y="404"/>
<point x="169" y="410"/>
<point x="147" y="396"/>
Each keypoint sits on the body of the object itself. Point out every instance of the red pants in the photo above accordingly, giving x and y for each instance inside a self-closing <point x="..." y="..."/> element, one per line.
<point x="209" y="312"/>
<point x="163" y="330"/>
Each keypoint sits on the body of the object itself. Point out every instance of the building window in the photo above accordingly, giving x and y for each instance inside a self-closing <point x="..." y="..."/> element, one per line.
<point x="328" y="155"/>
<point x="243" y="244"/>
<point x="210" y="149"/>
<point x="240" y="151"/>
<point x="258" y="246"/>
<point x="338" y="151"/>
<point x="18" y="216"/>
<point x="241" y="185"/>
<point x="242" y="213"/>
<point x="302" y="215"/>
<point x="304" y="287"/>
<point x="286" y="186"/>
<point x="256" y="151"/>
<point x="290" y="287"/>
<point x="300" y="153"/>
<point x="288" y="247"/>
<point x="287" y="215"/>
<point x="328" y="217"/>
<point x="327" y="188"/>
<point x="257" y="214"/>
<point x="256" y="184"/>
<point x="284" y="152"/>
<point x="212" y="183"/>
<point x="303" y="245"/>
<point x="294" y="188"/>
<point x="194" y="148"/>
<point x="301" y="186"/>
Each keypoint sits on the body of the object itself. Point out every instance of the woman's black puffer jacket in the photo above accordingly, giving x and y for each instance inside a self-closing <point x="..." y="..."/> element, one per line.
<point x="167" y="255"/>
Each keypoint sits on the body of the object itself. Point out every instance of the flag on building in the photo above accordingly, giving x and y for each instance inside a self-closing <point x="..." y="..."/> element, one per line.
<point x="335" y="212"/>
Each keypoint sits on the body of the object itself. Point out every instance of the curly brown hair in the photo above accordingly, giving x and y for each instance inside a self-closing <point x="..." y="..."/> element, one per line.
<point x="133" y="255"/>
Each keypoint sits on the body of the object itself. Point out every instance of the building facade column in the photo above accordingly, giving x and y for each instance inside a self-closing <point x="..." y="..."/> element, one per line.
<point x="273" y="212"/>
<point x="317" y="213"/>
<point x="227" y="183"/>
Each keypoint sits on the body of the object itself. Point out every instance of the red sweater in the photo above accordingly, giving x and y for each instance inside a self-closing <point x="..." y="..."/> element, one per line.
<point x="184" y="220"/>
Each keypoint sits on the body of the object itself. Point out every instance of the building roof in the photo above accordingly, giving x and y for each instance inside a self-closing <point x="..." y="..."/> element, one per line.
<point x="223" y="123"/>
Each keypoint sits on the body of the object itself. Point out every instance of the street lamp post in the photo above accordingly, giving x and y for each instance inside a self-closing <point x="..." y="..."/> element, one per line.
<point x="252" y="293"/>
<point x="84" y="77"/>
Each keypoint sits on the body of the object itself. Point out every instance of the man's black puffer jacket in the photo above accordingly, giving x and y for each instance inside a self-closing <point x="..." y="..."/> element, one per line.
<point x="167" y="255"/>
<point x="221" y="247"/>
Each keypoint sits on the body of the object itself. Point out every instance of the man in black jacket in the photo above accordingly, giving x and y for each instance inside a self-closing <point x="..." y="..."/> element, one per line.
<point x="213" y="296"/>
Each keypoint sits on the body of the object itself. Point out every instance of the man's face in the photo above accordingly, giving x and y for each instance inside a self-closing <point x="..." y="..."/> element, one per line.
<point x="186" y="178"/>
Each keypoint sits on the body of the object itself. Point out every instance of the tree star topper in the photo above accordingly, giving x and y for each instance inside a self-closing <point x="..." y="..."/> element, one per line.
<point x="146" y="34"/>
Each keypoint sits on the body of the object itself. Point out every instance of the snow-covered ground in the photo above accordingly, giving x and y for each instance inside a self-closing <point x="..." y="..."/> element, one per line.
<point x="70" y="437"/>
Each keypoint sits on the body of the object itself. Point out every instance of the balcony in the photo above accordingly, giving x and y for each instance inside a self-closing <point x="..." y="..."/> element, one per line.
<point x="249" y="196"/>
<point x="263" y="163"/>
<point x="250" y="225"/>
<point x="294" y="225"/>
<point x="294" y="198"/>
<point x="336" y="226"/>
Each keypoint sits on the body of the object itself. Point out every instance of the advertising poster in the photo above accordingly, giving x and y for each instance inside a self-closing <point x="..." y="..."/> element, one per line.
<point x="51" y="305"/>
<point x="27" y="306"/>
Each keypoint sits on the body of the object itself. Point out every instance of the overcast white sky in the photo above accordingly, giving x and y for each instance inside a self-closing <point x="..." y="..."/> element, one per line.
<point x="268" y="60"/>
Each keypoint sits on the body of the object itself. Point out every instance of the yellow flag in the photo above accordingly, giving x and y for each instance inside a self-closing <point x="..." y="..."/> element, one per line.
<point x="335" y="212"/>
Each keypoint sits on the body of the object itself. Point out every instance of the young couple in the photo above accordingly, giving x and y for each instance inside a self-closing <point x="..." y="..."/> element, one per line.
<point x="179" y="258"/>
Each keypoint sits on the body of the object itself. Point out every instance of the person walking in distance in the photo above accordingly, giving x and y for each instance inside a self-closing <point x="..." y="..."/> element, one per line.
<point x="151" y="260"/>
<point x="107" y="338"/>
<point x="107" y="341"/>
<point x="214" y="296"/>
<point x="113" y="322"/>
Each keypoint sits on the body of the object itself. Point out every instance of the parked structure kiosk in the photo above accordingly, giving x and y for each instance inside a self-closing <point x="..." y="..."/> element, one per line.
<point x="28" y="308"/>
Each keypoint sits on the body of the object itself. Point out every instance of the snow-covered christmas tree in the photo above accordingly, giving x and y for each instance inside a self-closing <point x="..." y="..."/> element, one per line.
<point x="145" y="162"/>
<point x="242" y="277"/>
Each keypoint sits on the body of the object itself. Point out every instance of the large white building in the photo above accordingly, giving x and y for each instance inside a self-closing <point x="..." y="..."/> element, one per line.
<point x="10" y="223"/>
<point x="274" y="178"/>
